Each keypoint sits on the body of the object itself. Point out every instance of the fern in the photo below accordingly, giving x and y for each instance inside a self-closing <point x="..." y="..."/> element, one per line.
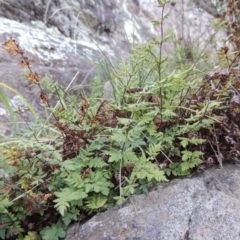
<point x="176" y="170"/>
<point x="118" y="135"/>
<point x="54" y="232"/>
<point x="153" y="150"/>
<point x="31" y="236"/>
<point x="128" y="155"/>
<point x="186" y="141"/>
<point x="66" y="196"/>
<point x="4" y="205"/>
<point x="75" y="180"/>
<point x="115" y="155"/>
<point x="96" y="89"/>
<point x="135" y="133"/>
<point x="97" y="162"/>
<point x="97" y="182"/>
<point x="96" y="201"/>
<point x="144" y="169"/>
<point x="143" y="120"/>
<point x="70" y="216"/>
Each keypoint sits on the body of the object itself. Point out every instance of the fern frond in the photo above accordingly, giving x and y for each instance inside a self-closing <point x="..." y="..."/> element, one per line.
<point x="96" y="201"/>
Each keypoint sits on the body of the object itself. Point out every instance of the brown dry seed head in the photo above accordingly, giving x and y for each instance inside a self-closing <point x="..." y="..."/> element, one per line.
<point x="47" y="196"/>
<point x="18" y="110"/>
<point x="22" y="63"/>
<point x="85" y="102"/>
<point x="2" y="225"/>
<point x="33" y="77"/>
<point x="85" y="173"/>
<point x="163" y="165"/>
<point x="12" y="47"/>
<point x="82" y="111"/>
<point x="13" y="162"/>
<point x="224" y="50"/>
<point x="134" y="90"/>
<point x="19" y="51"/>
<point x="44" y="98"/>
<point x="25" y="62"/>
<point x="158" y="121"/>
<point x="155" y="99"/>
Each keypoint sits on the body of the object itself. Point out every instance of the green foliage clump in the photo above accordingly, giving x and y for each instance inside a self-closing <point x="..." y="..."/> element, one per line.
<point x="92" y="153"/>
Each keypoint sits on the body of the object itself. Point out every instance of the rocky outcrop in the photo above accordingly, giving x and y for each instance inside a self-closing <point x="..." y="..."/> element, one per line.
<point x="204" y="207"/>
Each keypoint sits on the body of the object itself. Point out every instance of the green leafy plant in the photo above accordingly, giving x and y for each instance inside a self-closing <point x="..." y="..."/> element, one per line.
<point x="92" y="153"/>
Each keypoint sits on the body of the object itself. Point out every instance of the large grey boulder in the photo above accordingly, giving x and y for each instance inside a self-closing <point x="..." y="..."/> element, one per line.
<point x="205" y="207"/>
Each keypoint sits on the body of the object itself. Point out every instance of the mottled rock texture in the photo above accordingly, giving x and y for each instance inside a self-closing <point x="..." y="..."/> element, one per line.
<point x="203" y="207"/>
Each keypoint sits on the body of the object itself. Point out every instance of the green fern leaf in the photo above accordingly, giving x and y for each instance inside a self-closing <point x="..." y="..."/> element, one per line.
<point x="70" y="216"/>
<point x="96" y="201"/>
<point x="66" y="196"/>
<point x="145" y="119"/>
<point x="154" y="150"/>
<point x="144" y="169"/>
<point x="96" y="182"/>
<point x="54" y="232"/>
<point x="135" y="133"/>
<point x="115" y="155"/>
<point x="129" y="156"/>
<point x="2" y="233"/>
<point x="4" y="204"/>
<point x="31" y="236"/>
<point x="97" y="162"/>
<point x="118" y="135"/>
<point x="125" y="121"/>
<point x="75" y="180"/>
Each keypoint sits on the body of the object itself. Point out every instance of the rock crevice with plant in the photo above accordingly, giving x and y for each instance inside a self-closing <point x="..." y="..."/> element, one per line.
<point x="89" y="153"/>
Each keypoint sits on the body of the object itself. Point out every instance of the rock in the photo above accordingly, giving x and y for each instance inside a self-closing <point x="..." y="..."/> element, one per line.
<point x="204" y="207"/>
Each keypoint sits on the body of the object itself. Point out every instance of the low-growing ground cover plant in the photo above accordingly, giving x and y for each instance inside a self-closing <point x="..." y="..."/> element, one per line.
<point x="93" y="153"/>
